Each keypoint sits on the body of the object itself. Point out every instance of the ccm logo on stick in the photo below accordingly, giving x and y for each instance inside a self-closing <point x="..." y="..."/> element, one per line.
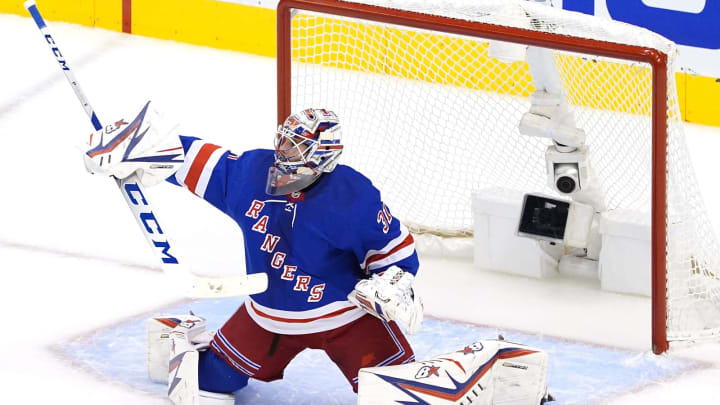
<point x="149" y="222"/>
<point x="56" y="52"/>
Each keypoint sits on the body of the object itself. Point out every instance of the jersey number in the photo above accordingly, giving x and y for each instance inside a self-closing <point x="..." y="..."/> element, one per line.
<point x="384" y="218"/>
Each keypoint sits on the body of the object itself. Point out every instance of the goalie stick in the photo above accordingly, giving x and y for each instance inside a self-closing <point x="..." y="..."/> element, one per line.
<point x="133" y="193"/>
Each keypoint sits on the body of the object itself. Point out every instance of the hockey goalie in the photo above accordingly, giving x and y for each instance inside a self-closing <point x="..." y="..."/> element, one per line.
<point x="345" y="286"/>
<point x="483" y="373"/>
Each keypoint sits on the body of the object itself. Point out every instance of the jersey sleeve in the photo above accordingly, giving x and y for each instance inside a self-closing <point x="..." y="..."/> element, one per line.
<point x="382" y="241"/>
<point x="206" y="171"/>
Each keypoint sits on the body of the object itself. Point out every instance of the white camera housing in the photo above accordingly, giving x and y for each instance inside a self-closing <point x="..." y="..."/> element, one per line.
<point x="567" y="172"/>
<point x="565" y="136"/>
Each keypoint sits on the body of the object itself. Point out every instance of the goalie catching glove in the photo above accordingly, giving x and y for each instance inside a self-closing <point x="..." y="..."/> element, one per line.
<point x="147" y="145"/>
<point x="390" y="297"/>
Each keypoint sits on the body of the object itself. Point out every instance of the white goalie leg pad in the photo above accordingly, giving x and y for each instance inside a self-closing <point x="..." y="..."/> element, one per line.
<point x="182" y="377"/>
<point x="464" y="376"/>
<point x="159" y="343"/>
<point x="520" y="375"/>
<point x="182" y="381"/>
<point x="486" y="372"/>
<point x="183" y="386"/>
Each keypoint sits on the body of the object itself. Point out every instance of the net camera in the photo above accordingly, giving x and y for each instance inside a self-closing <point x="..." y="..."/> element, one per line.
<point x="567" y="177"/>
<point x="567" y="172"/>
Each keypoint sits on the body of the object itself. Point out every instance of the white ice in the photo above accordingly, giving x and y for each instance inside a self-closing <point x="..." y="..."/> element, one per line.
<point x="72" y="260"/>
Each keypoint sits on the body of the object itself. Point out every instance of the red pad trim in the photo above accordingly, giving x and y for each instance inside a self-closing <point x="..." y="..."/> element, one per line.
<point x="167" y="322"/>
<point x="456" y="363"/>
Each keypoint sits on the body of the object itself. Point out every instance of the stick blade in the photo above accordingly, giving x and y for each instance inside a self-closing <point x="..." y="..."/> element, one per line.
<point x="231" y="286"/>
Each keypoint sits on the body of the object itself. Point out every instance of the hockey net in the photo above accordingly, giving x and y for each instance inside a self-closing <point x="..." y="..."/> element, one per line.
<point x="430" y="117"/>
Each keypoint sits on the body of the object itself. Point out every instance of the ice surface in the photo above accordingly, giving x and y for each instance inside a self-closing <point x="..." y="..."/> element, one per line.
<point x="76" y="271"/>
<point x="575" y="370"/>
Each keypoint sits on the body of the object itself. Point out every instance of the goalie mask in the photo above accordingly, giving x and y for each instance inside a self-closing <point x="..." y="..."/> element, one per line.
<point x="307" y="144"/>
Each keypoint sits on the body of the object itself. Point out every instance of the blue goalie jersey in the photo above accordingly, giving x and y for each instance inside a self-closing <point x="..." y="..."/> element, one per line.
<point x="314" y="245"/>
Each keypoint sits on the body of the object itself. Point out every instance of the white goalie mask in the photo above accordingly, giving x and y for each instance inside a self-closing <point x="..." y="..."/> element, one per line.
<point x="307" y="144"/>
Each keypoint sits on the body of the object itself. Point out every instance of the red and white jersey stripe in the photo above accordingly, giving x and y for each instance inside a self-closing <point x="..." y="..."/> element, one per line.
<point x="397" y="249"/>
<point x="200" y="160"/>
<point x="320" y="319"/>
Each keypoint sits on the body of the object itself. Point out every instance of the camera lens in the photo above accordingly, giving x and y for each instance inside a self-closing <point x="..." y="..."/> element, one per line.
<point x="565" y="184"/>
<point x="566" y="177"/>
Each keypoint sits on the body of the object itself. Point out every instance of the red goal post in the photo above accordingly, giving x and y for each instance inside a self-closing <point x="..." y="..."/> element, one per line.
<point x="653" y="57"/>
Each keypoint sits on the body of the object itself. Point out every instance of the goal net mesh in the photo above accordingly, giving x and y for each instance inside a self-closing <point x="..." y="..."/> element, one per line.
<point x="431" y="117"/>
